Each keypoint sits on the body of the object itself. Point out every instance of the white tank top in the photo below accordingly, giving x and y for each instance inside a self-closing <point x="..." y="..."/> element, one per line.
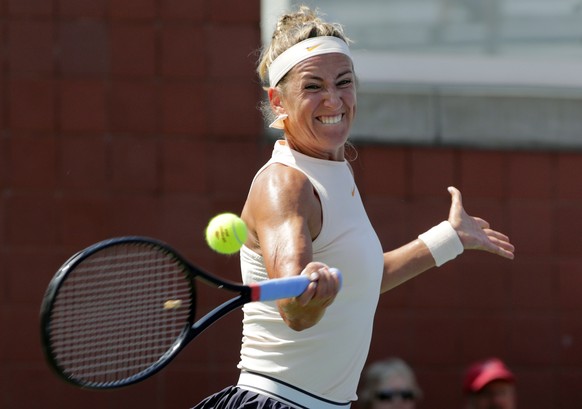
<point x="325" y="360"/>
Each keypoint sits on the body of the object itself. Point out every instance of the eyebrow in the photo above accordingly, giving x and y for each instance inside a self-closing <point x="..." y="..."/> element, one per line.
<point x="341" y="74"/>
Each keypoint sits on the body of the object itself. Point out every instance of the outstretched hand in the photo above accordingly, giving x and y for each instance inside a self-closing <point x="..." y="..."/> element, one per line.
<point x="474" y="232"/>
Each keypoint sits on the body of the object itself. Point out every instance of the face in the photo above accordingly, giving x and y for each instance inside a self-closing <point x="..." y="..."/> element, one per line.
<point x="496" y="395"/>
<point x="320" y="98"/>
<point x="394" y="393"/>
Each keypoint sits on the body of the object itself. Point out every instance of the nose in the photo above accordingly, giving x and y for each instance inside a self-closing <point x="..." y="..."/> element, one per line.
<point x="333" y="98"/>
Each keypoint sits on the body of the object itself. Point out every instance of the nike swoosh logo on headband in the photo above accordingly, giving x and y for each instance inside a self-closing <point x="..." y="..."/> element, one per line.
<point x="313" y="47"/>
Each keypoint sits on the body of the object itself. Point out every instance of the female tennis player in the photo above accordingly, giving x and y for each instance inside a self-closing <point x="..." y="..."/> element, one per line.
<point x="304" y="215"/>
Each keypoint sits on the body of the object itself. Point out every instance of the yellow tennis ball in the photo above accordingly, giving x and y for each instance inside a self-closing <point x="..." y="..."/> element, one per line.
<point x="226" y="233"/>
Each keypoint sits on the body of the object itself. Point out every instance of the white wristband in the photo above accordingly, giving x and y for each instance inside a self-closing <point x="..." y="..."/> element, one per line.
<point x="443" y="242"/>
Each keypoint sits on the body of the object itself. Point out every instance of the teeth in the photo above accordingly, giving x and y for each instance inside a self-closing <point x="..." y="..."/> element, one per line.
<point x="331" y="119"/>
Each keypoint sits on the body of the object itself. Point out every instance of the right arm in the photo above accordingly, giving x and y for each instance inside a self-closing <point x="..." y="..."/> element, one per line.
<point x="283" y="217"/>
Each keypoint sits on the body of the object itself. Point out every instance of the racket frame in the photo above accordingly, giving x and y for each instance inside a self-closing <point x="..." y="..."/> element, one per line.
<point x="191" y="330"/>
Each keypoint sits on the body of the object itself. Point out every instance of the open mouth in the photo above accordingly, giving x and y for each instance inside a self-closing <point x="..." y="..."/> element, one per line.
<point x="330" y="120"/>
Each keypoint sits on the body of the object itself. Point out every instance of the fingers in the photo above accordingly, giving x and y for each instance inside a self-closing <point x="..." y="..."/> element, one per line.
<point x="500" y="244"/>
<point x="475" y="232"/>
<point x="455" y="194"/>
<point x="323" y="288"/>
<point x="456" y="203"/>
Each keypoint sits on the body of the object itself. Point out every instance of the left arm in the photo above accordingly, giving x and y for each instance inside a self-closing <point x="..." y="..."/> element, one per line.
<point x="414" y="258"/>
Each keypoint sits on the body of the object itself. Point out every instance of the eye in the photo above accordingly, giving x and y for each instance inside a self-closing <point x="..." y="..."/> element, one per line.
<point x="312" y="87"/>
<point x="345" y="82"/>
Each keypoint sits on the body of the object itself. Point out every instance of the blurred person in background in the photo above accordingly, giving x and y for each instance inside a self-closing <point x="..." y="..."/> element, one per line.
<point x="389" y="384"/>
<point x="489" y="384"/>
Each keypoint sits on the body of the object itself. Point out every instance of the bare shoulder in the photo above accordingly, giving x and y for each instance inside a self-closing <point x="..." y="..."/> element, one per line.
<point x="282" y="179"/>
<point x="281" y="195"/>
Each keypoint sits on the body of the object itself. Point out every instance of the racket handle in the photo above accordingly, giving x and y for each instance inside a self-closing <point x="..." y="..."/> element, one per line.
<point x="287" y="287"/>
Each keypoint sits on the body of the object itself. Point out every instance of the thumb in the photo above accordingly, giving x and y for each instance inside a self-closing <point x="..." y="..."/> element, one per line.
<point x="456" y="203"/>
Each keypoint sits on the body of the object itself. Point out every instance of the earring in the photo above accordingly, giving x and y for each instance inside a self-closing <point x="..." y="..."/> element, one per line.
<point x="278" y="122"/>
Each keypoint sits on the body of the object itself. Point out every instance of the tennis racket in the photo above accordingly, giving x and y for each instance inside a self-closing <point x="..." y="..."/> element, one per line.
<point x="119" y="311"/>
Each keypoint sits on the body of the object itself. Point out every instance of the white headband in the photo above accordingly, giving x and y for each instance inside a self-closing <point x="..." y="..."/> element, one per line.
<point x="303" y="50"/>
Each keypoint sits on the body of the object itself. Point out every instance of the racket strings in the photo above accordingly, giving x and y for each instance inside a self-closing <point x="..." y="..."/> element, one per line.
<point x="110" y="321"/>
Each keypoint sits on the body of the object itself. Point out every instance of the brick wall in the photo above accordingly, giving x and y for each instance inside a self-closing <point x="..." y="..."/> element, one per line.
<point x="527" y="311"/>
<point x="139" y="117"/>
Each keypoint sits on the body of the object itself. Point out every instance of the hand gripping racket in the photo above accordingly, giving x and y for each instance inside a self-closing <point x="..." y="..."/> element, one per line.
<point x="119" y="311"/>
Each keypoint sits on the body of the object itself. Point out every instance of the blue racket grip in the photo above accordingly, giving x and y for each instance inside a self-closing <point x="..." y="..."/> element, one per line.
<point x="287" y="287"/>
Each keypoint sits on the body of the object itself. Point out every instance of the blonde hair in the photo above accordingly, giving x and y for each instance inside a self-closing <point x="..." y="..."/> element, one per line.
<point x="291" y="29"/>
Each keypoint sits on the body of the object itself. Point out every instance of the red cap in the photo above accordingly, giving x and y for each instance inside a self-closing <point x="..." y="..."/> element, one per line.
<point x="483" y="372"/>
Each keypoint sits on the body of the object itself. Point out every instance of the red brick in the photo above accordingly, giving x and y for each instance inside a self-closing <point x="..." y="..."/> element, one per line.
<point x="567" y="391"/>
<point x="181" y="173"/>
<point x="183" y="219"/>
<point x="141" y="395"/>
<point x="432" y="172"/>
<point x="133" y="50"/>
<point x="82" y="8"/>
<point x="232" y="51"/>
<point x="22" y="319"/>
<point x="532" y="282"/>
<point x="32" y="220"/>
<point x="233" y="110"/>
<point x="398" y="297"/>
<point x="31" y="47"/>
<point x="569" y="276"/>
<point x="83" y="106"/>
<point x="533" y="339"/>
<point x="530" y="175"/>
<point x="84" y="162"/>
<point x="225" y="339"/>
<point x="39" y="8"/>
<point x="483" y="334"/>
<point x="33" y="162"/>
<point x="439" y="384"/>
<point x="135" y="163"/>
<point x="438" y="288"/>
<point x="3" y="102"/>
<point x="134" y="214"/>
<point x="189" y="10"/>
<point x="443" y="331"/>
<point x="491" y="210"/>
<point x="231" y="169"/>
<point x="569" y="226"/>
<point x="4" y="279"/>
<point x="536" y="378"/>
<point x="185" y="108"/>
<point x="389" y="217"/>
<point x="133" y="106"/>
<point x="483" y="174"/>
<point x="381" y="171"/>
<point x="424" y="213"/>
<point x="568" y="178"/>
<point x="29" y="385"/>
<point x="179" y="392"/>
<point x="132" y="9"/>
<point x="184" y="52"/>
<point x="86" y="219"/>
<point x="3" y="223"/>
<point x="32" y="104"/>
<point x="233" y="11"/>
<point x="569" y="335"/>
<point x="532" y="226"/>
<point x="84" y="47"/>
<point x="21" y="266"/>
<point x="484" y="281"/>
<point x="394" y="331"/>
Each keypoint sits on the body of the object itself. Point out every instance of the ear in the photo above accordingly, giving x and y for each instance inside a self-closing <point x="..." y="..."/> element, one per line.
<point x="276" y="101"/>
